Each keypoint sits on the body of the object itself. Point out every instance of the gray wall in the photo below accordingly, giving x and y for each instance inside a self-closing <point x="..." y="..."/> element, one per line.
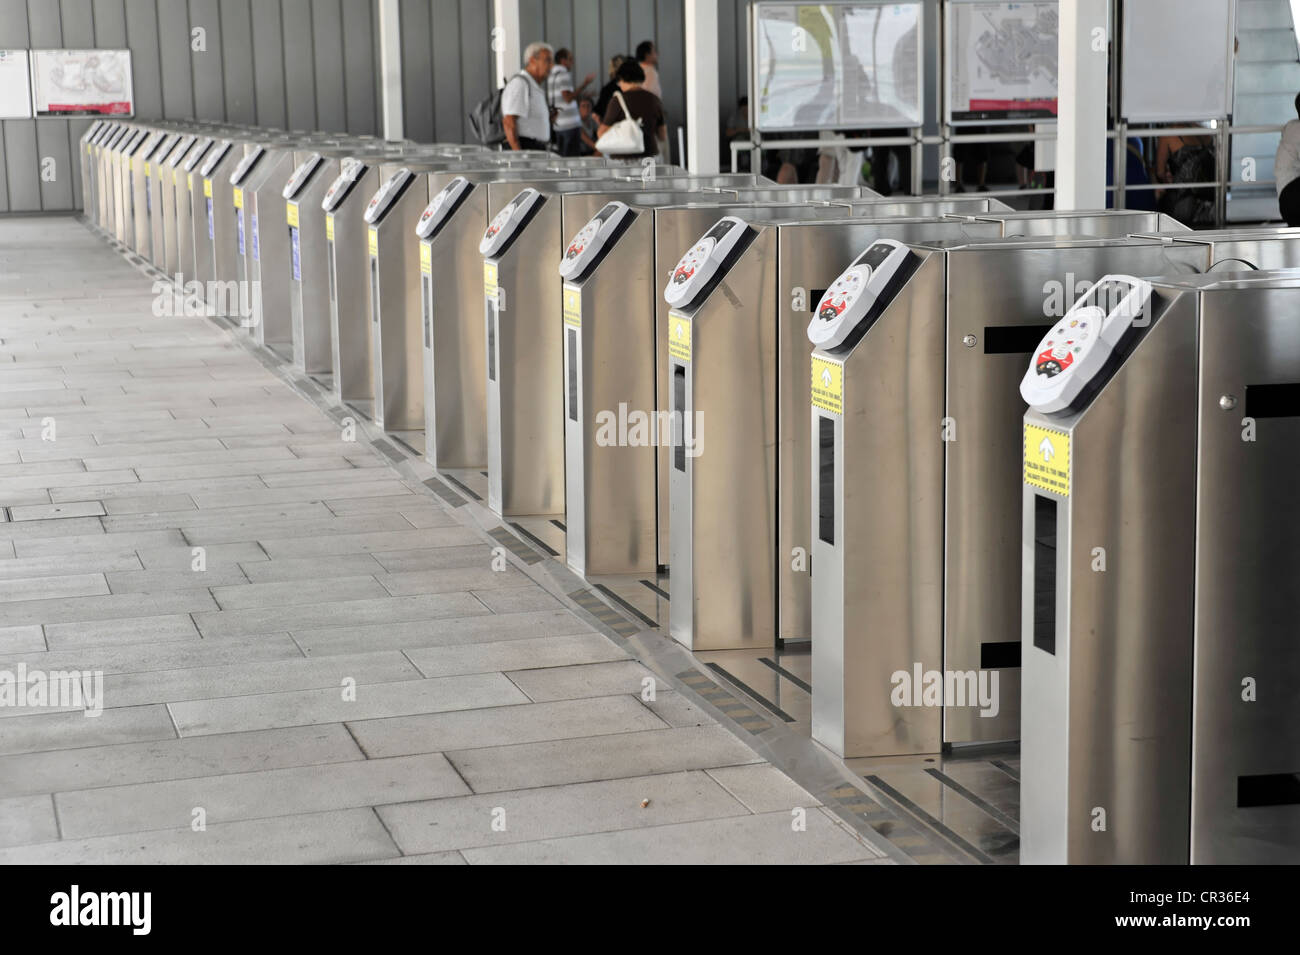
<point x="301" y="64"/>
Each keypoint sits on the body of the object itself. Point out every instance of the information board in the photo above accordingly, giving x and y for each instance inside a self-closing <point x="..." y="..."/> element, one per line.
<point x="836" y="65"/>
<point x="82" y="82"/>
<point x="15" y="85"/>
<point x="1176" y="60"/>
<point x="1001" y="60"/>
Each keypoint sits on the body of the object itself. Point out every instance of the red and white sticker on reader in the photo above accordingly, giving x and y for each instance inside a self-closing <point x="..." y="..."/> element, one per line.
<point x="702" y="261"/>
<point x="591" y="238"/>
<point x="851" y="296"/>
<point x="1081" y="343"/>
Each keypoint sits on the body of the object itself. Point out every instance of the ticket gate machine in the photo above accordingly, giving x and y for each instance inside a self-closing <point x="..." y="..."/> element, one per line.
<point x="215" y="171"/>
<point x="152" y="235"/>
<point x="85" y="154"/>
<point x="1244" y="248"/>
<point x="168" y="180"/>
<point x="524" y="339"/>
<point x="120" y="162"/>
<point x="915" y="452"/>
<point x="192" y="243"/>
<point x="927" y="206"/>
<point x="455" y="382"/>
<point x="1160" y="694"/>
<point x="140" y="165"/>
<point x="99" y="210"/>
<point x="309" y="298"/>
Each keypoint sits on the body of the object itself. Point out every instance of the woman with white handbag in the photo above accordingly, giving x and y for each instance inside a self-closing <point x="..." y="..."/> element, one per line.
<point x="634" y="119"/>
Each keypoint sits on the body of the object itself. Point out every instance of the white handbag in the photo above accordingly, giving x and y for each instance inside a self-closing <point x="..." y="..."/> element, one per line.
<point x="624" y="138"/>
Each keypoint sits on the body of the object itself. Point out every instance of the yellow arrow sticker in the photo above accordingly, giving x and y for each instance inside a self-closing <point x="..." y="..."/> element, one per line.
<point x="679" y="335"/>
<point x="207" y="188"/>
<point x="329" y="227"/>
<point x="426" y="258"/>
<point x="1047" y="459"/>
<point x="146" y="170"/>
<point x="572" y="306"/>
<point x="239" y="198"/>
<point x="291" y="213"/>
<point x="374" y="241"/>
<point x="490" y="279"/>
<point x="827" y="385"/>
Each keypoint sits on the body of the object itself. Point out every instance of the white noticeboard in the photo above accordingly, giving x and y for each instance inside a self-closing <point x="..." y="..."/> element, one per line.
<point x="836" y="65"/>
<point x="1176" y="60"/>
<point x="1001" y="61"/>
<point x="82" y="82"/>
<point x="15" y="85"/>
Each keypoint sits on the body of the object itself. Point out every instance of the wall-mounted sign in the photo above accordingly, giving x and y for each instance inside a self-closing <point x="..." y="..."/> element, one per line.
<point x="15" y="85"/>
<point x="82" y="82"/>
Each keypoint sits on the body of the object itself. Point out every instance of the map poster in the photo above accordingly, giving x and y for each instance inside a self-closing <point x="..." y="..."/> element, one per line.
<point x="1002" y="60"/>
<point x="850" y="65"/>
<point x="82" y="82"/>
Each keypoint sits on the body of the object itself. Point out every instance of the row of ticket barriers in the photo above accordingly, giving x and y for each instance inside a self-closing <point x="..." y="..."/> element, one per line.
<point x="962" y="450"/>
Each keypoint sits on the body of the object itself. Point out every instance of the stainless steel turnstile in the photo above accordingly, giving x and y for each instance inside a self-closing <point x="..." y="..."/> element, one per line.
<point x="166" y="241"/>
<point x="153" y="176"/>
<point x="123" y="162"/>
<point x="192" y="244"/>
<point x="309" y="295"/>
<point x="915" y="558"/>
<point x="1242" y="248"/>
<point x="1160" y="559"/>
<point x="140" y="165"/>
<point x="926" y="206"/>
<point x="522" y="292"/>
<point x="85" y="158"/>
<point x="215" y="171"/>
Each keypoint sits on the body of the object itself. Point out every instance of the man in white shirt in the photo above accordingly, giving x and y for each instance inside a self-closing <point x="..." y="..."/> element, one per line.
<point x="1286" y="170"/>
<point x="564" y="100"/>
<point x="525" y="115"/>
<point x="648" y="57"/>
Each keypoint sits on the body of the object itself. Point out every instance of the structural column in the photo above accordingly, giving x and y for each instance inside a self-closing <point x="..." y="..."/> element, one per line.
<point x="390" y="68"/>
<point x="1081" y="124"/>
<point x="702" y="117"/>
<point x="506" y="48"/>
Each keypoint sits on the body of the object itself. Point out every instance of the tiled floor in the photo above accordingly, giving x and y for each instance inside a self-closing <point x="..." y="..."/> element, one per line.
<point x="341" y="676"/>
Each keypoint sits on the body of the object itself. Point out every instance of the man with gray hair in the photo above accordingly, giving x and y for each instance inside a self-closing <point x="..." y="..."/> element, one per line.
<point x="525" y="114"/>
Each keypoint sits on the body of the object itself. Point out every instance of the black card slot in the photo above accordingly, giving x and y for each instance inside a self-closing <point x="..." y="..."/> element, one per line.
<point x="826" y="479"/>
<point x="1000" y="656"/>
<point x="1013" y="339"/>
<point x="1045" y="513"/>
<point x="1277" y="789"/>
<point x="1273" y="401"/>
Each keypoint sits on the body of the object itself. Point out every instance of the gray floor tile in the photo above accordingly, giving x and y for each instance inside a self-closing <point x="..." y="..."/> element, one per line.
<point x="311" y="568"/>
<point x="435" y="558"/>
<point x="153" y="761"/>
<point x="21" y="639"/>
<point x="350" y="835"/>
<point x="123" y="560"/>
<point x="591" y="679"/>
<point x="33" y="734"/>
<point x="558" y="651"/>
<point x="477" y="626"/>
<point x="517" y="599"/>
<point x="256" y="795"/>
<point x="319" y="592"/>
<point x="45" y="512"/>
<point x="112" y="606"/>
<point x="427" y="858"/>
<point x="600" y="757"/>
<point x="344" y="614"/>
<point x="743" y="840"/>
<point x="161" y="628"/>
<point x="558" y="811"/>
<point x="239" y="679"/>
<point x="46" y="588"/>
<point x="302" y="707"/>
<point x="499" y="726"/>
<point x="763" y="788"/>
<point x="369" y="543"/>
<point x="27" y="819"/>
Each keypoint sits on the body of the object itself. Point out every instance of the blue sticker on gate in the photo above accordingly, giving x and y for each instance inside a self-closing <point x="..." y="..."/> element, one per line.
<point x="211" y="234"/>
<point x="239" y="215"/>
<point x="293" y="245"/>
<point x="254" y="236"/>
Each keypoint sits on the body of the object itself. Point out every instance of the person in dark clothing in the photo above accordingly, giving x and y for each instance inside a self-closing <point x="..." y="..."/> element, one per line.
<point x="644" y="106"/>
<point x="607" y="91"/>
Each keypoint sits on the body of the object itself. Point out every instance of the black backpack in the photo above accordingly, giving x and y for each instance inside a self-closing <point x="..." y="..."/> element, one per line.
<point x="485" y="117"/>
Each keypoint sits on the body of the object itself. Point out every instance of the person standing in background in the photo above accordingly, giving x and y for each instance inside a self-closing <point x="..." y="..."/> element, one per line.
<point x="607" y="91"/>
<point x="563" y="98"/>
<point x="1286" y="170"/>
<point x="648" y="57"/>
<point x="588" y="131"/>
<point x="525" y="117"/>
<point x="644" y="106"/>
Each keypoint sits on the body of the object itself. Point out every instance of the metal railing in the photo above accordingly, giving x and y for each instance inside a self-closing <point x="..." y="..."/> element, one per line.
<point x="917" y="142"/>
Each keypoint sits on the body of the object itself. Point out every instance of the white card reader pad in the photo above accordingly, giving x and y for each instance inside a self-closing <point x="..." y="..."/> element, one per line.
<point x="850" y="298"/>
